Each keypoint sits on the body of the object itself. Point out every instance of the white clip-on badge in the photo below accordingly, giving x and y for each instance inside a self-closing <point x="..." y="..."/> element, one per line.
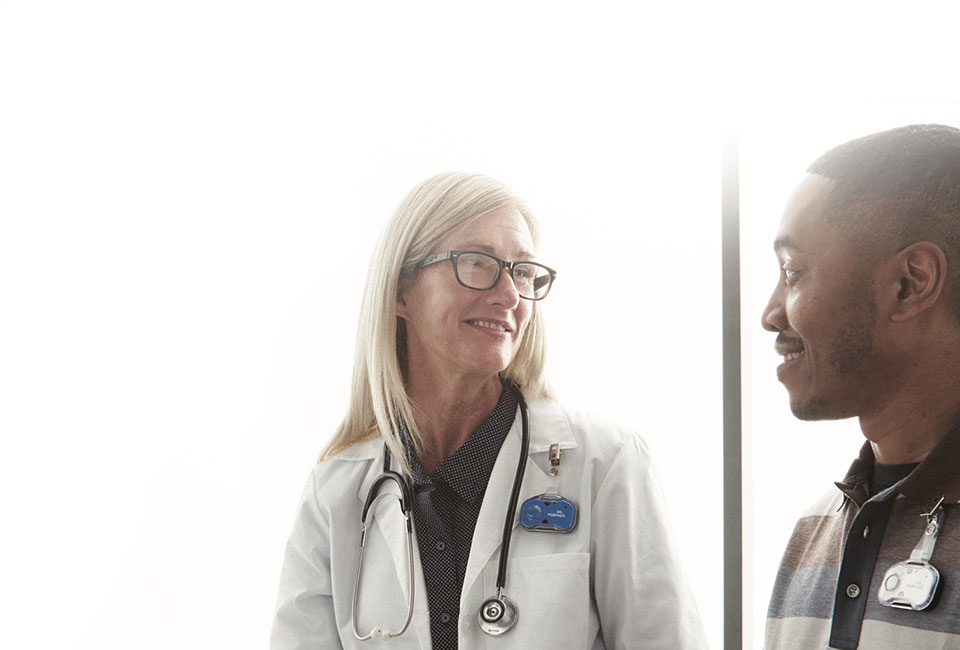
<point x="913" y="584"/>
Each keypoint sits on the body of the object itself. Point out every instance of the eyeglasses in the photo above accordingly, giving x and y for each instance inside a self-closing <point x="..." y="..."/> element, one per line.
<point x="481" y="271"/>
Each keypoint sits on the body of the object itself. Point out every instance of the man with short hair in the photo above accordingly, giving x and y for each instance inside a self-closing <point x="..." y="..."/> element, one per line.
<point x="867" y="316"/>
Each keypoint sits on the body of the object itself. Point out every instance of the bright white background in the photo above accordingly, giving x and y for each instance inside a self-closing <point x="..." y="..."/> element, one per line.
<point x="788" y="463"/>
<point x="191" y="191"/>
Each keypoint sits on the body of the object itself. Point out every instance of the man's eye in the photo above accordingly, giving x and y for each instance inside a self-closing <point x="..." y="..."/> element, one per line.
<point x="790" y="275"/>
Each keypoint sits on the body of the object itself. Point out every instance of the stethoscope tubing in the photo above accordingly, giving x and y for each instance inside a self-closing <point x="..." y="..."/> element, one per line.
<point x="514" y="495"/>
<point x="406" y="501"/>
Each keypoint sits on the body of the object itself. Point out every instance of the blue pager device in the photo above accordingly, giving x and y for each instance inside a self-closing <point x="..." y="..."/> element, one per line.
<point x="548" y="513"/>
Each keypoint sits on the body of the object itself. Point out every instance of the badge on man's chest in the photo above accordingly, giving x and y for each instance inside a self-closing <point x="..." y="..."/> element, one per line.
<point x="913" y="584"/>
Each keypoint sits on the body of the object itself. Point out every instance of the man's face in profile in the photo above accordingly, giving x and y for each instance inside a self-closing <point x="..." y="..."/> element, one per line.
<point x="823" y="311"/>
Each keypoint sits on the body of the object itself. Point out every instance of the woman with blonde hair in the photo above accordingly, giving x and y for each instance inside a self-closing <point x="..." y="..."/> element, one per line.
<point x="512" y="503"/>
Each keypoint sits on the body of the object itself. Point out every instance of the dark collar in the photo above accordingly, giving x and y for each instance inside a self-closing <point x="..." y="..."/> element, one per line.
<point x="856" y="483"/>
<point x="467" y="470"/>
<point x="937" y="475"/>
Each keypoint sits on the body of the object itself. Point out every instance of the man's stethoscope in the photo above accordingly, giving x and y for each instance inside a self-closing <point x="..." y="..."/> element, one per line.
<point x="498" y="613"/>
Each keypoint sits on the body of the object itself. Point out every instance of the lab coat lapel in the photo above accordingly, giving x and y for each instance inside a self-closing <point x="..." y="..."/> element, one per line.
<point x="389" y="521"/>
<point x="547" y="425"/>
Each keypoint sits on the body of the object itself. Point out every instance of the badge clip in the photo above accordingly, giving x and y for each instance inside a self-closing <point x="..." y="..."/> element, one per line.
<point x="555" y="458"/>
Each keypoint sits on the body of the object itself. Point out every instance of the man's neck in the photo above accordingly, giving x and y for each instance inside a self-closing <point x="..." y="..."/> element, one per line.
<point x="907" y="430"/>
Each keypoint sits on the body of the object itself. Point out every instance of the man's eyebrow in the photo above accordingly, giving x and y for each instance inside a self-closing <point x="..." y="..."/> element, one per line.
<point x="784" y="242"/>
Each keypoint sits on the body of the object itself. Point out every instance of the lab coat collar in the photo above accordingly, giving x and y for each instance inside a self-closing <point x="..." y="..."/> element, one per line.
<point x="551" y="427"/>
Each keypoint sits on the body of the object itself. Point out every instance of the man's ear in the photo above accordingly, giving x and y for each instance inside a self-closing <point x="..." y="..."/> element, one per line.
<point x="922" y="271"/>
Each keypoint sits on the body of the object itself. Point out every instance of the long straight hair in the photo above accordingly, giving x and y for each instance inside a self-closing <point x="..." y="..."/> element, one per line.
<point x="379" y="404"/>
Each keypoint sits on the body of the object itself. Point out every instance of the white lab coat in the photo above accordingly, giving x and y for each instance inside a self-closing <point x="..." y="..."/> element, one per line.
<point x="613" y="582"/>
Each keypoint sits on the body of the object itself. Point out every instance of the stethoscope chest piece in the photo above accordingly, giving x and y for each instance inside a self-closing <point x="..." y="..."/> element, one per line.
<point x="497" y="615"/>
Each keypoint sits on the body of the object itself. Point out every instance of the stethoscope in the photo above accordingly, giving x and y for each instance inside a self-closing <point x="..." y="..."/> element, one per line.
<point x="498" y="613"/>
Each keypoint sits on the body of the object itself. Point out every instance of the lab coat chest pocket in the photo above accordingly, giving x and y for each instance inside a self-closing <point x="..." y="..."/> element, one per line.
<point x="552" y="593"/>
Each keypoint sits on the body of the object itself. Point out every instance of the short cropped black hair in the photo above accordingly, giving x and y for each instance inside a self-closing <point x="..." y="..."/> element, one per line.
<point x="898" y="187"/>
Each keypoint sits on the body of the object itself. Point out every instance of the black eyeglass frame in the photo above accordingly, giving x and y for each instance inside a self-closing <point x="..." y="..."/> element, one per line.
<point x="501" y="264"/>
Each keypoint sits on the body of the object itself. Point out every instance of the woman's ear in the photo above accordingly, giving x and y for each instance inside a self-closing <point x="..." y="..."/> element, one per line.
<point x="922" y="271"/>
<point x="403" y="310"/>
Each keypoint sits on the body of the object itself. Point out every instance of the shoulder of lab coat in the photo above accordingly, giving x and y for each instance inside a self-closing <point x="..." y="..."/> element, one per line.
<point x="642" y="595"/>
<point x="637" y="589"/>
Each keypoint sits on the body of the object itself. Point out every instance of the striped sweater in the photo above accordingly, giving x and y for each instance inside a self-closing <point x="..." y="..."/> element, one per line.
<point x="825" y="595"/>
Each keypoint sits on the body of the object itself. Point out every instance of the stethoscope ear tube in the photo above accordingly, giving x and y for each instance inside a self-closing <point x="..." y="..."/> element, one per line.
<point x="405" y="503"/>
<point x="388" y="475"/>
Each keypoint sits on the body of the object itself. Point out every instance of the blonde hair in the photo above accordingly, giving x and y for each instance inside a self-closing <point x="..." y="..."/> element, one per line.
<point x="431" y="211"/>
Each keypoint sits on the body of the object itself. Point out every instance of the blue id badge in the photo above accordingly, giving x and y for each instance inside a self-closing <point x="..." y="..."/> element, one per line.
<point x="548" y="513"/>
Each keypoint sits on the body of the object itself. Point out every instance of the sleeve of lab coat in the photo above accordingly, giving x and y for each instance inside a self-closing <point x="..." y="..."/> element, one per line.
<point x="305" y="618"/>
<point x="642" y="597"/>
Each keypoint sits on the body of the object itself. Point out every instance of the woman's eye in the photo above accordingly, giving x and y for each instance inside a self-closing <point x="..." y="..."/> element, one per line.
<point x="474" y="261"/>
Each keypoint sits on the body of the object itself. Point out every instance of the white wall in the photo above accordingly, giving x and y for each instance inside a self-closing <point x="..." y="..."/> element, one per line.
<point x="788" y="463"/>
<point x="191" y="191"/>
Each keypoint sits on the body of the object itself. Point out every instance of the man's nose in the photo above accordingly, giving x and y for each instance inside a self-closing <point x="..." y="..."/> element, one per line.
<point x="774" y="318"/>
